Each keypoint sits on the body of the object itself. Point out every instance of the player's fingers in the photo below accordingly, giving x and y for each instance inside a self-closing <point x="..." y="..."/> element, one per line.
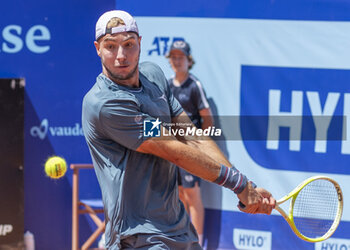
<point x="242" y="209"/>
<point x="272" y="202"/>
<point x="268" y="206"/>
<point x="265" y="207"/>
<point x="250" y="209"/>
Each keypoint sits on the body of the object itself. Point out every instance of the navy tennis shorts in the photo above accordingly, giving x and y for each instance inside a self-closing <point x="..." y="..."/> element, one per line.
<point x="187" y="180"/>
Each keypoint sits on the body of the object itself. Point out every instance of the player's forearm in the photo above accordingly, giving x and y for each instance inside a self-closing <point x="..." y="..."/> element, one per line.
<point x="203" y="143"/>
<point x="209" y="147"/>
<point x="196" y="162"/>
<point x="185" y="156"/>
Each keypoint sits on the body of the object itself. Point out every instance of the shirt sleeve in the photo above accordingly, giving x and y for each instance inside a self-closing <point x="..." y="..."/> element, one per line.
<point x="156" y="75"/>
<point x="200" y="96"/>
<point x="122" y="121"/>
<point x="175" y="107"/>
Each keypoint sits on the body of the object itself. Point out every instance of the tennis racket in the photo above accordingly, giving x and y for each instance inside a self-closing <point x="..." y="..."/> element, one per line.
<point x="315" y="209"/>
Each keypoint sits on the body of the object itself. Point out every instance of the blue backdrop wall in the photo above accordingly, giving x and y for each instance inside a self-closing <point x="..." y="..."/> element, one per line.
<point x="251" y="56"/>
<point x="50" y="45"/>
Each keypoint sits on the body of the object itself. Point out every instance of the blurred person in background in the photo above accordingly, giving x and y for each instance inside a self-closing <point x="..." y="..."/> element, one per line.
<point x="189" y="91"/>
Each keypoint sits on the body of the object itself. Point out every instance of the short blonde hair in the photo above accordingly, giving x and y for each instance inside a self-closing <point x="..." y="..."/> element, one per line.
<point x="115" y="22"/>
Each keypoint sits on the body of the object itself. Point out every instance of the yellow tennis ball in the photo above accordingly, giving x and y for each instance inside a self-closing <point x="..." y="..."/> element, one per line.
<point x="55" y="167"/>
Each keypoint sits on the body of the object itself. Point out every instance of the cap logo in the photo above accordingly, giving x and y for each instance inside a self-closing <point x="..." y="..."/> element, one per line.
<point x="179" y="44"/>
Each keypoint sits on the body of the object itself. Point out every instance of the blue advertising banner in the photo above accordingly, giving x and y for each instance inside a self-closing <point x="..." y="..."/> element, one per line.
<point x="50" y="46"/>
<point x="315" y="100"/>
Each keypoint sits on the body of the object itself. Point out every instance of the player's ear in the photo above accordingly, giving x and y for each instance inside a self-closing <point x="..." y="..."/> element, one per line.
<point x="140" y="38"/>
<point x="97" y="46"/>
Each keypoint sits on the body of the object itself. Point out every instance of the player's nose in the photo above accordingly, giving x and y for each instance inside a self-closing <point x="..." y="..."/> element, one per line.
<point x="121" y="55"/>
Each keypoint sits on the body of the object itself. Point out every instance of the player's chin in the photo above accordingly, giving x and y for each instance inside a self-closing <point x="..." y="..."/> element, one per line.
<point x="122" y="71"/>
<point x="122" y="75"/>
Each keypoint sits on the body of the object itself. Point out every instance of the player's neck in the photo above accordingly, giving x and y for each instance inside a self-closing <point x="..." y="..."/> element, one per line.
<point x="180" y="78"/>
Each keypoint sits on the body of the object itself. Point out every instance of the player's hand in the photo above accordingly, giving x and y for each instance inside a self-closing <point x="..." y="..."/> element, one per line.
<point x="268" y="203"/>
<point x="256" y="200"/>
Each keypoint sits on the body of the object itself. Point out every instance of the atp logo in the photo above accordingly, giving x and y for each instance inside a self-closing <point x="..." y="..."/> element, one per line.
<point x="162" y="44"/>
<point x="151" y="128"/>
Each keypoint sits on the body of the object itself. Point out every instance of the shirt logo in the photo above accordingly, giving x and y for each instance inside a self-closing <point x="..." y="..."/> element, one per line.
<point x="151" y="128"/>
<point x="189" y="178"/>
<point x="163" y="97"/>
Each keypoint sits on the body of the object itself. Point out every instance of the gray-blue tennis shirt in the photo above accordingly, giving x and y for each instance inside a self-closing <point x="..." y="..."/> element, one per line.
<point x="139" y="190"/>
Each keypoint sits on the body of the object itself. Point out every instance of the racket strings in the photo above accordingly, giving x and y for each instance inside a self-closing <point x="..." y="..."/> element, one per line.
<point x="316" y="208"/>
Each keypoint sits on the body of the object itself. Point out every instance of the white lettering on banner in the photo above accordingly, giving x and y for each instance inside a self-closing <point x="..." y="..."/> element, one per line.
<point x="252" y="239"/>
<point x="322" y="125"/>
<point x="41" y="131"/>
<point x="293" y="120"/>
<point x="5" y="229"/>
<point x="13" y="42"/>
<point x="345" y="146"/>
<point x="333" y="244"/>
<point x="67" y="131"/>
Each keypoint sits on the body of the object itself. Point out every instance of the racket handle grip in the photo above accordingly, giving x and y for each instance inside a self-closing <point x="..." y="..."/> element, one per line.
<point x="241" y="205"/>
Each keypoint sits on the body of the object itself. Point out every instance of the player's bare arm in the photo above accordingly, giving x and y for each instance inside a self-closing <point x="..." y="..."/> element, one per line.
<point x="197" y="157"/>
<point x="185" y="156"/>
<point x="204" y="144"/>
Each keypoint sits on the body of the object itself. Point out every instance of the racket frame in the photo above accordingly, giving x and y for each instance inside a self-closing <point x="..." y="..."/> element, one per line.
<point x="293" y="195"/>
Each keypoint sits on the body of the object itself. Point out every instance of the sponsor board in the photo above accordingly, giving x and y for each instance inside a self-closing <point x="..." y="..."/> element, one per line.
<point x="333" y="244"/>
<point x="251" y="239"/>
<point x="308" y="117"/>
<point x="44" y="129"/>
<point x="15" y="38"/>
<point x="5" y="229"/>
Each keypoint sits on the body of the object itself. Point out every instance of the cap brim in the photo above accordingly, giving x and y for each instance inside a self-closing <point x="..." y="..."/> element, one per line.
<point x="184" y="52"/>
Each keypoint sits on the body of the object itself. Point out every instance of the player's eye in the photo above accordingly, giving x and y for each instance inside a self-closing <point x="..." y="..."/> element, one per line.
<point x="110" y="46"/>
<point x="128" y="45"/>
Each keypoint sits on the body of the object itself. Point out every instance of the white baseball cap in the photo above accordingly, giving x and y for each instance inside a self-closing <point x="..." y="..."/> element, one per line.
<point x="101" y="25"/>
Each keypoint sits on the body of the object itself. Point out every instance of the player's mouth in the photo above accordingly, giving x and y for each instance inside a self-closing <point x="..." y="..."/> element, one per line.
<point x="122" y="66"/>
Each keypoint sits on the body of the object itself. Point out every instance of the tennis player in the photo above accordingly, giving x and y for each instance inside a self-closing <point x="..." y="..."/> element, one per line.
<point x="136" y="173"/>
<point x="188" y="90"/>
